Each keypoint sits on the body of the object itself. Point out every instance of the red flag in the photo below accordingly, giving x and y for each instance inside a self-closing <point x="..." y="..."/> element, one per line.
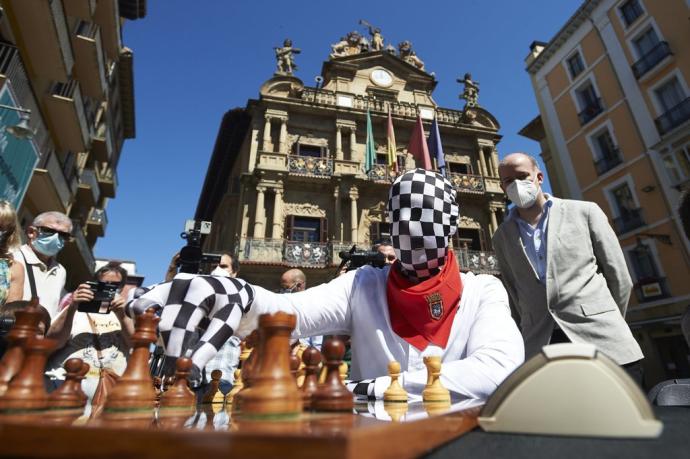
<point x="418" y="146"/>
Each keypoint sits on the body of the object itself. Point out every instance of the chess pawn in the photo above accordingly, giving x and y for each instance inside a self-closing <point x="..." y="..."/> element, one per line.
<point x="273" y="390"/>
<point x="396" y="411"/>
<point x="435" y="392"/>
<point x="135" y="389"/>
<point x="311" y="358"/>
<point x="294" y="366"/>
<point x="70" y="394"/>
<point x="26" y="390"/>
<point x="237" y="386"/>
<point x="332" y="395"/>
<point x="25" y="326"/>
<point x="395" y="392"/>
<point x="214" y="394"/>
<point x="179" y="394"/>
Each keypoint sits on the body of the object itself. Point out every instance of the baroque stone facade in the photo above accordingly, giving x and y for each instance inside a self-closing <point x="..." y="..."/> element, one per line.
<point x="287" y="184"/>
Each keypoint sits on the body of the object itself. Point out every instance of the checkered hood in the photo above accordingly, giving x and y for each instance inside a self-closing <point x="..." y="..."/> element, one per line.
<point x="423" y="215"/>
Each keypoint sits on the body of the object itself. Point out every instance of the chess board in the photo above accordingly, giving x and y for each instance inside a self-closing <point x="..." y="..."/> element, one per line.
<point x="373" y="429"/>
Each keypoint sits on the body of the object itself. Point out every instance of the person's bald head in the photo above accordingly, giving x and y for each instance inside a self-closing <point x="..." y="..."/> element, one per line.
<point x="293" y="280"/>
<point x="518" y="166"/>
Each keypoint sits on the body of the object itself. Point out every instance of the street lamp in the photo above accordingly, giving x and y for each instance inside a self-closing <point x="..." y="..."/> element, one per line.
<point x="22" y="131"/>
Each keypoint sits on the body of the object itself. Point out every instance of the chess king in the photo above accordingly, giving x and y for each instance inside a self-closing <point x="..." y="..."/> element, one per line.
<point x="419" y="306"/>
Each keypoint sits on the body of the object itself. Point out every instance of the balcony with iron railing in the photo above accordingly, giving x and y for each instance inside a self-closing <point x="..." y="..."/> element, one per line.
<point x="477" y="261"/>
<point x="674" y="117"/>
<point x="90" y="62"/>
<point x="65" y="107"/>
<point x="382" y="173"/>
<point x="467" y="183"/>
<point x="651" y="59"/>
<point x="97" y="222"/>
<point x="628" y="221"/>
<point x="310" y="166"/>
<point x="651" y="289"/>
<point x="590" y="111"/>
<point x="607" y="162"/>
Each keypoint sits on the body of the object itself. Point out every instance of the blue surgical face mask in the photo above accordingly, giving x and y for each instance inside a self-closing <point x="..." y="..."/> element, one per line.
<point x="48" y="244"/>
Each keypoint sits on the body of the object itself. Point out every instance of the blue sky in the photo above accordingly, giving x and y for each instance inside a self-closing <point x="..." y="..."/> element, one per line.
<point x="195" y="60"/>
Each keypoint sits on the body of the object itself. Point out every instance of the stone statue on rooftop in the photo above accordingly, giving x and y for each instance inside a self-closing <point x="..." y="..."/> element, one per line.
<point x="376" y="37"/>
<point x="407" y="54"/>
<point x="471" y="91"/>
<point x="285" y="59"/>
<point x="353" y="43"/>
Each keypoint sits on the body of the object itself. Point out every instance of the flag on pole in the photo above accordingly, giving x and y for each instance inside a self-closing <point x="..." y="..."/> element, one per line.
<point x="436" y="147"/>
<point x="370" y="152"/>
<point x="418" y="146"/>
<point x="392" y="149"/>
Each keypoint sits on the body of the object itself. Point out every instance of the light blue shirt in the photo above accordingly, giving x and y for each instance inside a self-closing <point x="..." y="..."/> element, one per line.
<point x="534" y="239"/>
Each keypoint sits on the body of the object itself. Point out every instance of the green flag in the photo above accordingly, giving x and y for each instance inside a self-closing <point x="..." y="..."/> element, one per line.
<point x="370" y="154"/>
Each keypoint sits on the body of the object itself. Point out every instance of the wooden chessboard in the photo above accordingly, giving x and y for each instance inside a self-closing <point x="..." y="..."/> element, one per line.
<point x="372" y="430"/>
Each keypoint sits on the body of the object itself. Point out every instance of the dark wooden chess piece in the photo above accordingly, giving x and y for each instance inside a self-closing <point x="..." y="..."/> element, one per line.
<point x="273" y="390"/>
<point x="70" y="394"/>
<point x="332" y="395"/>
<point x="294" y="366"/>
<point x="134" y="389"/>
<point x="26" y="391"/>
<point x="25" y="326"/>
<point x="179" y="394"/>
<point x="311" y="358"/>
<point x="213" y="394"/>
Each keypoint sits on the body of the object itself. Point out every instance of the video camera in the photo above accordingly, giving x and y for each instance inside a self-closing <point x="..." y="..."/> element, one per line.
<point x="358" y="258"/>
<point x="103" y="294"/>
<point x="191" y="255"/>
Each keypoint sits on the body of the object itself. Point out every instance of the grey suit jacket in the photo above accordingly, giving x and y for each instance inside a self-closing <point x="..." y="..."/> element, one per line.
<point x="587" y="281"/>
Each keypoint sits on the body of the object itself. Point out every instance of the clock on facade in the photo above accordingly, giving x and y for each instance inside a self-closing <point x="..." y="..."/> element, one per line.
<point x="381" y="77"/>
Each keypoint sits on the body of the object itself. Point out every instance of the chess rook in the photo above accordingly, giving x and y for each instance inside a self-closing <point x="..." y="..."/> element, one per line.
<point x="273" y="390"/>
<point x="332" y="395"/>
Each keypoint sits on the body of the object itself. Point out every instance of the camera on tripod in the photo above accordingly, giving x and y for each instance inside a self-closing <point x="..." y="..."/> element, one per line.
<point x="191" y="256"/>
<point x="357" y="258"/>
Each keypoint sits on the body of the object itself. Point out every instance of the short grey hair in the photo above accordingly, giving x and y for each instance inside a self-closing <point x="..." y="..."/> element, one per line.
<point x="57" y="216"/>
<point x="531" y="158"/>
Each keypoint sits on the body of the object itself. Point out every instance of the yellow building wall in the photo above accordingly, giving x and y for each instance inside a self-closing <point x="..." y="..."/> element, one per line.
<point x="557" y="80"/>
<point x="592" y="47"/>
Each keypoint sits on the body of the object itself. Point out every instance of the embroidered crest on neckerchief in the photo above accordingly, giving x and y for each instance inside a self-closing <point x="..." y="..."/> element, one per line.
<point x="435" y="305"/>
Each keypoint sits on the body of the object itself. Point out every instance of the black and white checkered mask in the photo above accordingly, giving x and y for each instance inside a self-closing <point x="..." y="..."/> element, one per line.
<point x="423" y="215"/>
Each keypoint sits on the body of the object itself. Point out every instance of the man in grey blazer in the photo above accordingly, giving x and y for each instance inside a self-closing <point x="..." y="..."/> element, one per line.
<point x="563" y="267"/>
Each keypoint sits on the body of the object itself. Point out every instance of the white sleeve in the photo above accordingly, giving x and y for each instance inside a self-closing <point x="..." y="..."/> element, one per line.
<point x="494" y="349"/>
<point x="320" y="310"/>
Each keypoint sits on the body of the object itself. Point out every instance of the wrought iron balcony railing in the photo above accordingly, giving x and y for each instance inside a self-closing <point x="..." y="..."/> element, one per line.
<point x="382" y="173"/>
<point x="292" y="253"/>
<point x="590" y="111"/>
<point x="631" y="219"/>
<point x="608" y="162"/>
<point x="308" y="165"/>
<point x="301" y="253"/>
<point x="650" y="289"/>
<point x="651" y="59"/>
<point x="674" y="117"/>
<point x="477" y="261"/>
<point x="467" y="183"/>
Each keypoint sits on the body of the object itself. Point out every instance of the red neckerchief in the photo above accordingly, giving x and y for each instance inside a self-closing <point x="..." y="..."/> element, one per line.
<point x="423" y="313"/>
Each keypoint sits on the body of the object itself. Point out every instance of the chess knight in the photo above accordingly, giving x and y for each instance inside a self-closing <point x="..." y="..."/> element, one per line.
<point x="421" y="306"/>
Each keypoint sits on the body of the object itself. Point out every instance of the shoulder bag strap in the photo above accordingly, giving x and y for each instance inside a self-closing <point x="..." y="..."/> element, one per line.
<point x="32" y="279"/>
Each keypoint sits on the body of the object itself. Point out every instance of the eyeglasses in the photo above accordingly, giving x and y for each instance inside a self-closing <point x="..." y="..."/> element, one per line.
<point x="66" y="237"/>
<point x="289" y="289"/>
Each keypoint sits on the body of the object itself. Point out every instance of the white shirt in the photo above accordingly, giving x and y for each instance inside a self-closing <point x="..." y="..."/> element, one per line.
<point x="50" y="280"/>
<point x="483" y="348"/>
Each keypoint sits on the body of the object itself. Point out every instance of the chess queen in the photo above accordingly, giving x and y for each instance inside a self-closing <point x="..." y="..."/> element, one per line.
<point x="417" y="307"/>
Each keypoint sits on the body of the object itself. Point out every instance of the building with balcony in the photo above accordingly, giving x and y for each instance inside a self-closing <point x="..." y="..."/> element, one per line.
<point x="287" y="184"/>
<point x="64" y="62"/>
<point x="614" y="128"/>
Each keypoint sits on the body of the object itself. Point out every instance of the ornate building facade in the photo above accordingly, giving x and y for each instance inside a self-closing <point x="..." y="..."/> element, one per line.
<point x="287" y="184"/>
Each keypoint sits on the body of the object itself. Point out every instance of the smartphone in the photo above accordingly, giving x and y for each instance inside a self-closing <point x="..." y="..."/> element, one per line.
<point x="103" y="294"/>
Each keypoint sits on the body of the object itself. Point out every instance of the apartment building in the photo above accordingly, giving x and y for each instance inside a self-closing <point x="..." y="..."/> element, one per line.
<point x="614" y="128"/>
<point x="66" y="85"/>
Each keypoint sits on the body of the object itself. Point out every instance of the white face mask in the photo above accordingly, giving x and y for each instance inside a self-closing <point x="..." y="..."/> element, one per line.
<point x="523" y="193"/>
<point x="220" y="272"/>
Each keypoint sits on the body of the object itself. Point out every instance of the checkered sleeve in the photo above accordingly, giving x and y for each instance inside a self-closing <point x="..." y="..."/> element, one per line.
<point x="363" y="390"/>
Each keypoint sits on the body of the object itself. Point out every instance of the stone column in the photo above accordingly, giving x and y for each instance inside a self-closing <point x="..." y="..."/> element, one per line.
<point x="482" y="163"/>
<point x="353" y="144"/>
<point x="282" y="139"/>
<point x="494" y="161"/>
<point x="278" y="214"/>
<point x="353" y="214"/>
<point x="260" y="217"/>
<point x="494" y="222"/>
<point x="338" y="143"/>
<point x="266" y="145"/>
<point x="338" y="223"/>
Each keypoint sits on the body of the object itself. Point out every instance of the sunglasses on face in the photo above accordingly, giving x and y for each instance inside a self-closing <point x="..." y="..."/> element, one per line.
<point x="44" y="230"/>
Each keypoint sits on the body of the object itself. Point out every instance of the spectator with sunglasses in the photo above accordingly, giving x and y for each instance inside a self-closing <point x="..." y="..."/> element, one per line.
<point x="44" y="276"/>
